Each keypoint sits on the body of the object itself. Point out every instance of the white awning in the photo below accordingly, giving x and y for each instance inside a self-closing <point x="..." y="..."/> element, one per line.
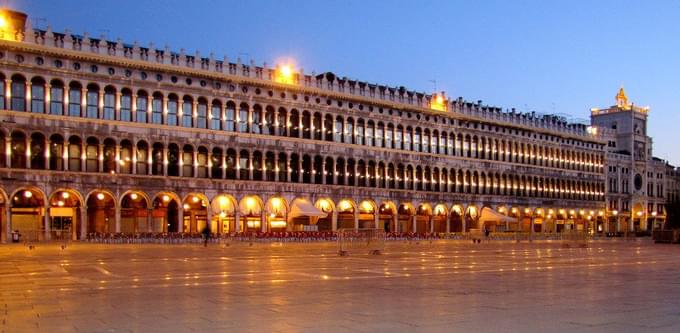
<point x="491" y="215"/>
<point x="305" y="208"/>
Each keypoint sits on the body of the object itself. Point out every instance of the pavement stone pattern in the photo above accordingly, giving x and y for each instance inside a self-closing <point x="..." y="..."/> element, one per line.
<point x="439" y="286"/>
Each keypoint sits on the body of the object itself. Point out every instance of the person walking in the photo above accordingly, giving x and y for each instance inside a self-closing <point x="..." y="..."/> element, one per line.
<point x="206" y="235"/>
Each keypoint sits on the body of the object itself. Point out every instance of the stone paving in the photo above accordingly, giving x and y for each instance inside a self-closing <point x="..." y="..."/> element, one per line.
<point x="443" y="286"/>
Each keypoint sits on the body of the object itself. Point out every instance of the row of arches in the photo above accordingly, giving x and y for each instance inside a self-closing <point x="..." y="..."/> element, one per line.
<point x="125" y="104"/>
<point x="184" y="160"/>
<point x="28" y="209"/>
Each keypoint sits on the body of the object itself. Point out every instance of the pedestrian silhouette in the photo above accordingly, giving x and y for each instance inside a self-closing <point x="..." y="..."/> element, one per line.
<point x="206" y="235"/>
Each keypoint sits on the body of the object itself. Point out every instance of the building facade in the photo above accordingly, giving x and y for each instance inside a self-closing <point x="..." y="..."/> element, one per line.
<point x="104" y="136"/>
<point x="637" y="182"/>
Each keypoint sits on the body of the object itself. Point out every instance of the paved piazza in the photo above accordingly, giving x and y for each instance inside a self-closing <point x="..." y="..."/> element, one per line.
<point x="443" y="286"/>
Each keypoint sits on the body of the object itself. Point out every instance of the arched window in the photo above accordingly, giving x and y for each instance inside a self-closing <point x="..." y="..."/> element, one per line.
<point x="109" y="156"/>
<point x="244" y="165"/>
<point x="257" y="165"/>
<point x="142" y="106"/>
<point x="230" y="116"/>
<point x="340" y="171"/>
<point x="316" y="123"/>
<point x="92" y="155"/>
<point x="173" y="109"/>
<point x="269" y="121"/>
<point x="282" y="122"/>
<point x="349" y="131"/>
<point x="243" y="118"/>
<point x="18" y="102"/>
<point x="328" y="128"/>
<point x="38" y="95"/>
<point x="338" y="129"/>
<point x="142" y="158"/>
<point x="416" y="140"/>
<point x="202" y="113"/>
<point x="318" y="170"/>
<point x="401" y="177"/>
<point x="187" y="161"/>
<point x="125" y="160"/>
<point x="126" y="105"/>
<point x="361" y="173"/>
<point x="270" y="166"/>
<point x="92" y="101"/>
<point x="294" y="129"/>
<point x="216" y="115"/>
<point x="202" y="162"/>
<point x="109" y="103"/>
<point x="282" y="167"/>
<point x="230" y="166"/>
<point x="407" y="139"/>
<point x="18" y="150"/>
<point x="187" y="112"/>
<point x="351" y="176"/>
<point x="359" y="137"/>
<point x="389" y="136"/>
<point x="56" y="152"/>
<point x="399" y="137"/>
<point x="379" y="134"/>
<point x="173" y="160"/>
<point x="370" y="133"/>
<point x="74" y="154"/>
<point x="57" y="98"/>
<point x="391" y="176"/>
<point x="294" y="168"/>
<point x="216" y="161"/>
<point x="328" y="171"/>
<point x="306" y="169"/>
<point x="370" y="174"/>
<point x="157" y="159"/>
<point x="306" y="125"/>
<point x="256" y="126"/>
<point x="37" y="151"/>
<point x="74" y="99"/>
<point x="157" y="108"/>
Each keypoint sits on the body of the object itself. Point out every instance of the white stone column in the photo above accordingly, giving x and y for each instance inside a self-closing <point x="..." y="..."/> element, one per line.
<point x="395" y="221"/>
<point x="414" y="223"/>
<point x="356" y="220"/>
<point x="376" y="219"/>
<point x="46" y="221"/>
<point x="180" y="218"/>
<point x="28" y="95"/>
<point x="8" y="223"/>
<point x="237" y="219"/>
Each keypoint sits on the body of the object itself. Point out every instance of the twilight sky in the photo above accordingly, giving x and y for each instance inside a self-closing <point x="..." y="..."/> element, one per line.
<point x="557" y="56"/>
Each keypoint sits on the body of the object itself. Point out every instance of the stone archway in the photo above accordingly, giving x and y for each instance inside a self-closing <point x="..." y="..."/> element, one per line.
<point x="27" y="213"/>
<point x="165" y="214"/>
<point x="101" y="212"/>
<point x="65" y="213"/>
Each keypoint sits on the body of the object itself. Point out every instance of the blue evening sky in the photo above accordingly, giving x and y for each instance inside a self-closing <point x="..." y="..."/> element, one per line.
<point x="549" y="56"/>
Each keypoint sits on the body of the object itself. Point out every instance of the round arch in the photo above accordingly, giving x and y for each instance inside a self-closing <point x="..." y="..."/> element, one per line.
<point x="101" y="211"/>
<point x="65" y="211"/>
<point x="134" y="212"/>
<point x="276" y="213"/>
<point x="346" y="211"/>
<point x="327" y="206"/>
<point x="251" y="210"/>
<point x="194" y="212"/>
<point x="223" y="207"/>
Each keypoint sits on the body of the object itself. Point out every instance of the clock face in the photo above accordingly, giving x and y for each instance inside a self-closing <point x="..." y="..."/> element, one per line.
<point x="638" y="182"/>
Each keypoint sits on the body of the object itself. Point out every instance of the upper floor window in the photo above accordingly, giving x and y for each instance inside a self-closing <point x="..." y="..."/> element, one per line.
<point x="142" y="107"/>
<point x="74" y="100"/>
<point x="57" y="98"/>
<point x="18" y="93"/>
<point x="126" y="105"/>
<point x="216" y="116"/>
<point x="202" y="114"/>
<point x="109" y="103"/>
<point x="230" y="117"/>
<point x="187" y="112"/>
<point x="157" y="109"/>
<point x="173" y="107"/>
<point x="92" y="102"/>
<point x="38" y="96"/>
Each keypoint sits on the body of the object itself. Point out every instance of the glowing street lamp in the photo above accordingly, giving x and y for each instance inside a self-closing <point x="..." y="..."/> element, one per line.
<point x="284" y="74"/>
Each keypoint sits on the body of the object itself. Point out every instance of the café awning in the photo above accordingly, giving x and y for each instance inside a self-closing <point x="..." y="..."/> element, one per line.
<point x="301" y="208"/>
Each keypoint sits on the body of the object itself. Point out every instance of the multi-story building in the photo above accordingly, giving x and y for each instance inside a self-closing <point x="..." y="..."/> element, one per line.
<point x="105" y="136"/>
<point x="636" y="181"/>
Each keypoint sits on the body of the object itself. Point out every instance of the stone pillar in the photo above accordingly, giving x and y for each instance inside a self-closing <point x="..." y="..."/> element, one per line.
<point x="430" y="221"/>
<point x="65" y="155"/>
<point x="334" y="220"/>
<point x="194" y="160"/>
<point x="376" y="219"/>
<point x="133" y="160"/>
<point x="180" y="217"/>
<point x="8" y="222"/>
<point x="100" y="104"/>
<point x="237" y="219"/>
<point x="117" y="105"/>
<point x="27" y="154"/>
<point x="46" y="221"/>
<point x="149" y="220"/>
<point x="164" y="110"/>
<point x="28" y="95"/>
<point x="83" y="224"/>
<point x="414" y="223"/>
<point x="134" y="110"/>
<point x="263" y="222"/>
<point x="323" y="170"/>
<point x="165" y="160"/>
<point x="448" y="224"/>
<point x="100" y="158"/>
<point x="395" y="221"/>
<point x="117" y="218"/>
<point x="531" y="226"/>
